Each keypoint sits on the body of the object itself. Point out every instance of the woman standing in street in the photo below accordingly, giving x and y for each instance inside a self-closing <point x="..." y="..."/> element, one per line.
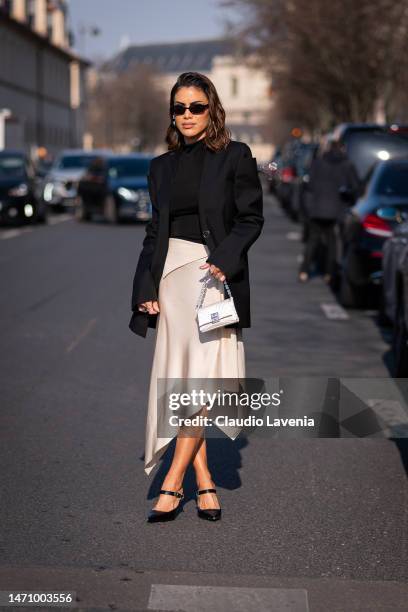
<point x="207" y="210"/>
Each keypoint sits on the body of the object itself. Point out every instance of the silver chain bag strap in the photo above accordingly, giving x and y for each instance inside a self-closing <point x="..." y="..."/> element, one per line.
<point x="217" y="314"/>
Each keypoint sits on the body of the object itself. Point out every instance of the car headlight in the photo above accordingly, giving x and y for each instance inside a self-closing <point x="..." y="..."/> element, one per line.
<point x="48" y="189"/>
<point x="128" y="194"/>
<point x="19" y="191"/>
<point x="53" y="189"/>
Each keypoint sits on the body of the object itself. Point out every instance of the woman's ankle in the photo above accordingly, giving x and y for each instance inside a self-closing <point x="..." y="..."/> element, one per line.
<point x="173" y="483"/>
<point x="204" y="481"/>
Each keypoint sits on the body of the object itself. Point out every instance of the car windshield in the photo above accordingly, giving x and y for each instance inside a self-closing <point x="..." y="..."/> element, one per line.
<point x="11" y="167"/>
<point x="119" y="168"/>
<point x="366" y="148"/>
<point x="393" y="181"/>
<point x="68" y="162"/>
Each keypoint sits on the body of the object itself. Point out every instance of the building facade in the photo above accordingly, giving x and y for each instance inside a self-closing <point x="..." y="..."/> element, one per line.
<point x="244" y="89"/>
<point x="42" y="82"/>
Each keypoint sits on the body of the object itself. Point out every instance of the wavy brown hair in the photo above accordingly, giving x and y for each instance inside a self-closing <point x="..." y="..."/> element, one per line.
<point x="217" y="135"/>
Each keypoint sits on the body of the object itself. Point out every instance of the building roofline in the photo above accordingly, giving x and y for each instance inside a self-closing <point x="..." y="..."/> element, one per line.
<point x="25" y="29"/>
<point x="181" y="42"/>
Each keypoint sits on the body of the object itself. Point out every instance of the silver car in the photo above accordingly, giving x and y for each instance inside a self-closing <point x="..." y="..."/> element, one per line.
<point x="61" y="183"/>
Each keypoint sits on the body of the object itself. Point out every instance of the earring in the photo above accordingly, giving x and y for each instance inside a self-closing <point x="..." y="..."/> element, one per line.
<point x="174" y="121"/>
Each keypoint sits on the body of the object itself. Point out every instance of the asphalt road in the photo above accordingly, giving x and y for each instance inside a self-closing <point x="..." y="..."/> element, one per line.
<point x="312" y="524"/>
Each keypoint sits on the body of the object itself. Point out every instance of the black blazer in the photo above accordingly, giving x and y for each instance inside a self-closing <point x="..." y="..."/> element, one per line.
<point x="231" y="217"/>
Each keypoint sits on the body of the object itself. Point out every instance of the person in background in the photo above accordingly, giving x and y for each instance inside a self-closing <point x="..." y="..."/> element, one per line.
<point x="332" y="180"/>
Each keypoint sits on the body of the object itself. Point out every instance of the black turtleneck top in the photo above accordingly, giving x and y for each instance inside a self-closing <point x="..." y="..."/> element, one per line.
<point x="184" y="217"/>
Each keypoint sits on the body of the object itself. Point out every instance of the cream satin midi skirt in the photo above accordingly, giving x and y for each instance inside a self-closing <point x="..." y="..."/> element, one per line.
<point x="181" y="350"/>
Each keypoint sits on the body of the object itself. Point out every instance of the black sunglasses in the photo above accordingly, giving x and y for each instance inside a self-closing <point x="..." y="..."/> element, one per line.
<point x="195" y="109"/>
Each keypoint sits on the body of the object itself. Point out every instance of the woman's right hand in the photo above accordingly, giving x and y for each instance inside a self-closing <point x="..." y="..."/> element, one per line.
<point x="151" y="307"/>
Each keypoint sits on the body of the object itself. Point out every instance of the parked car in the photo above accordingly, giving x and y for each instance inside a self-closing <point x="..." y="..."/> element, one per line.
<point x="274" y="177"/>
<point x="395" y="295"/>
<point x="116" y="187"/>
<point x="367" y="225"/>
<point x="60" y="184"/>
<point x="20" y="200"/>
<point x="366" y="144"/>
<point x="303" y="157"/>
<point x="287" y="173"/>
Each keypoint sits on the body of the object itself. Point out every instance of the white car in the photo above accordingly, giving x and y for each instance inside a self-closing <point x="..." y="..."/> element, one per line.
<point x="61" y="182"/>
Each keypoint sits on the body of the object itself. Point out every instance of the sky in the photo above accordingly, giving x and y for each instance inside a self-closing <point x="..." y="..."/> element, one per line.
<point x="124" y="22"/>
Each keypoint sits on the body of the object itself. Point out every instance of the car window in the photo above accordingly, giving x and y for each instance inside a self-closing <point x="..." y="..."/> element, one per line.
<point x="11" y="166"/>
<point x="393" y="181"/>
<point x="119" y="168"/>
<point x="365" y="149"/>
<point x="68" y="162"/>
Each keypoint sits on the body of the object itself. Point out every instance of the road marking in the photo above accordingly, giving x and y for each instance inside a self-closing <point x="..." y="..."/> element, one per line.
<point x="87" y="329"/>
<point x="294" y="236"/>
<point x="194" y="598"/>
<point x="334" y="311"/>
<point x="59" y="219"/>
<point x="13" y="233"/>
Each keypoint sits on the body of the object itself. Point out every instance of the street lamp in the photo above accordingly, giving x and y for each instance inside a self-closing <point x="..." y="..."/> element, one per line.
<point x="84" y="31"/>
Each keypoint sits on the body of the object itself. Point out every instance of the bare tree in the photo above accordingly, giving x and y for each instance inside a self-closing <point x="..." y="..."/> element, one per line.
<point x="331" y="61"/>
<point x="128" y="110"/>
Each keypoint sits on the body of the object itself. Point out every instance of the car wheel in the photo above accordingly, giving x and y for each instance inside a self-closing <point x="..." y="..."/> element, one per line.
<point x="81" y="213"/>
<point x="111" y="210"/>
<point x="399" y="343"/>
<point x="41" y="217"/>
<point x="349" y="295"/>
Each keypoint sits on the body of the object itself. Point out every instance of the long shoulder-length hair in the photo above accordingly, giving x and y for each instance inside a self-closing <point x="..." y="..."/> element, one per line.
<point x="217" y="135"/>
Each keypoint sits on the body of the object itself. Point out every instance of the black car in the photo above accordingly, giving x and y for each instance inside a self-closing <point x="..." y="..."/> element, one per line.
<point x="367" y="144"/>
<point x="367" y="225"/>
<point x="116" y="187"/>
<point x="303" y="158"/>
<point x="395" y="295"/>
<point x="287" y="173"/>
<point x="20" y="200"/>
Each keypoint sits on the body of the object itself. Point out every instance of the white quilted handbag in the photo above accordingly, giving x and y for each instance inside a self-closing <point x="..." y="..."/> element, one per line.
<point x="217" y="314"/>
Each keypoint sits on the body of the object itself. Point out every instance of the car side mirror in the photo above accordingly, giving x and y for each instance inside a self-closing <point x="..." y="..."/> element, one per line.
<point x="388" y="213"/>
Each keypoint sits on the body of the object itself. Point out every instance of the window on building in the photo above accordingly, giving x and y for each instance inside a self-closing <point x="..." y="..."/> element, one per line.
<point x="49" y="23"/>
<point x="234" y="86"/>
<point x="5" y="5"/>
<point x="30" y="12"/>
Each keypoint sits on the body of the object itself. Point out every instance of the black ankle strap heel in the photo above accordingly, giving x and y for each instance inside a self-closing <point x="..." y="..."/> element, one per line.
<point x="157" y="516"/>
<point x="176" y="493"/>
<point x="211" y="514"/>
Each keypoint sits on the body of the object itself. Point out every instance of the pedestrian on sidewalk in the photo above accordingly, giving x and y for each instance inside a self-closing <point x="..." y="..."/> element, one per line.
<point x="333" y="186"/>
<point x="207" y="211"/>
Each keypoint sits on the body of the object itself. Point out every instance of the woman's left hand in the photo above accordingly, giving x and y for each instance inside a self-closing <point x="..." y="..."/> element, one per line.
<point x="214" y="271"/>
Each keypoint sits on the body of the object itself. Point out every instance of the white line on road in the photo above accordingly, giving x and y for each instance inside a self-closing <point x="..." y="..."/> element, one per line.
<point x="334" y="311"/>
<point x="13" y="233"/>
<point x="294" y="236"/>
<point x="88" y="327"/>
<point x="195" y="598"/>
<point x="59" y="219"/>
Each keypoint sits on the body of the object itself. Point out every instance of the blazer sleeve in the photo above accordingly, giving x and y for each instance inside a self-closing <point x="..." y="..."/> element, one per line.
<point x="229" y="253"/>
<point x="144" y="288"/>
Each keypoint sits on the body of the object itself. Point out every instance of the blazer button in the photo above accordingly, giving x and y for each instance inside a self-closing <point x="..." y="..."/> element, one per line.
<point x="206" y="233"/>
